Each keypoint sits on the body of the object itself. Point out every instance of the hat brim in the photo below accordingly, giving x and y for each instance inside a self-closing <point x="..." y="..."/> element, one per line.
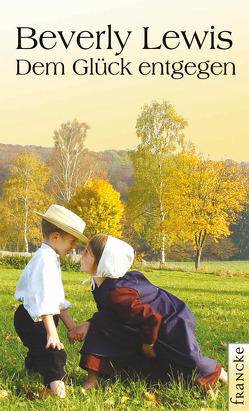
<point x="65" y="228"/>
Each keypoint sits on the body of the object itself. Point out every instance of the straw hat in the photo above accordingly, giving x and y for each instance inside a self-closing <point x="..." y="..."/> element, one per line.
<point x="66" y="220"/>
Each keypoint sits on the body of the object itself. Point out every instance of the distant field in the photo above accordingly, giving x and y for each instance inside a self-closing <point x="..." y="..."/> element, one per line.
<point x="220" y="305"/>
<point x="239" y="267"/>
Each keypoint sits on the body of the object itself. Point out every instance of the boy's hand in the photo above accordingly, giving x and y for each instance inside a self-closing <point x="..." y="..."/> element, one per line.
<point x="79" y="332"/>
<point x="52" y="335"/>
<point x="148" y="351"/>
<point x="54" y="341"/>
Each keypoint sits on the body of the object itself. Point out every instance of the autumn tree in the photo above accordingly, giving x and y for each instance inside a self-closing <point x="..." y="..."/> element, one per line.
<point x="240" y="234"/>
<point x="69" y="158"/>
<point x="24" y="192"/>
<point x="5" y="225"/>
<point x="99" y="205"/>
<point x="159" y="129"/>
<point x="204" y="198"/>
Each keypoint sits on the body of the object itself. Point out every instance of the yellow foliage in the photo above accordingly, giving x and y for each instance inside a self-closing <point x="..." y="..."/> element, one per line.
<point x="160" y="129"/>
<point x="204" y="196"/>
<point x="23" y="193"/>
<point x="99" y="205"/>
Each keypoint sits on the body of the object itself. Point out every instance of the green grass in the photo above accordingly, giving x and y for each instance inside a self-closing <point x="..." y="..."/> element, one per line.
<point x="220" y="305"/>
<point x="232" y="268"/>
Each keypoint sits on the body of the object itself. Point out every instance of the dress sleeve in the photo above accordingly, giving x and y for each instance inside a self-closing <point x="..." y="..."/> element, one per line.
<point x="126" y="304"/>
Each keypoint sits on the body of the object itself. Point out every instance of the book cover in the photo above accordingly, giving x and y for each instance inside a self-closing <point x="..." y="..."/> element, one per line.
<point x="101" y="62"/>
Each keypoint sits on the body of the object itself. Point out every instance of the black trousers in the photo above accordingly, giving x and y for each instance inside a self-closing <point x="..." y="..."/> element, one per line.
<point x="49" y="362"/>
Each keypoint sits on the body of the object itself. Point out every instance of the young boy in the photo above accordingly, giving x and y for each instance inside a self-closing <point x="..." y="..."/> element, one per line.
<point x="41" y="291"/>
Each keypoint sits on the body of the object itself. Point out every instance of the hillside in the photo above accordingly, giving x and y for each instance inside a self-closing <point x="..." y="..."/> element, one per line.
<point x="114" y="164"/>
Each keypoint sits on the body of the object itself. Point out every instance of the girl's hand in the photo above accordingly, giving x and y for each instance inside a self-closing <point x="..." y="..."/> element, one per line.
<point x="148" y="350"/>
<point x="79" y="332"/>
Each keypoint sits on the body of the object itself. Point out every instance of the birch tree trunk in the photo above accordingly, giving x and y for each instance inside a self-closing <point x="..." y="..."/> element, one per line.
<point x="68" y="158"/>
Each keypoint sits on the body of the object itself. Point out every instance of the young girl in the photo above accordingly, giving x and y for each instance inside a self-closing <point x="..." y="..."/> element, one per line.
<point x="138" y="325"/>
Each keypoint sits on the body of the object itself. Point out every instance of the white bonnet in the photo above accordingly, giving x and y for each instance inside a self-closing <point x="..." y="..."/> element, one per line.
<point x="116" y="258"/>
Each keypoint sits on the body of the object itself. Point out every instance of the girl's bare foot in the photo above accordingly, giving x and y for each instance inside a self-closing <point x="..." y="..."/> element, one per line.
<point x="90" y="384"/>
<point x="92" y="380"/>
<point x="223" y="376"/>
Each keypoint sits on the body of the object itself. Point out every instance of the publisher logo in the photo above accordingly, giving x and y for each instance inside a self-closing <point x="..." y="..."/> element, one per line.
<point x="238" y="376"/>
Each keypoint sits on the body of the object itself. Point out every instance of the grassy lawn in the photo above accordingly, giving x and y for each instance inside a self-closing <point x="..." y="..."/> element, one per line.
<point x="222" y="267"/>
<point x="220" y="305"/>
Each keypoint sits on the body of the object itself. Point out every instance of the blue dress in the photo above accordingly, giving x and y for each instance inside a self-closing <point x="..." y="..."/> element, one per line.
<point x="133" y="311"/>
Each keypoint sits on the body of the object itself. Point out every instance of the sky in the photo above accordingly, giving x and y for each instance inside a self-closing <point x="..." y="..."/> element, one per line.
<point x="34" y="105"/>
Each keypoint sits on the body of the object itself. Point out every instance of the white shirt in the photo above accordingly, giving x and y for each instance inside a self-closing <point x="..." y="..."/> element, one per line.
<point x="40" y="286"/>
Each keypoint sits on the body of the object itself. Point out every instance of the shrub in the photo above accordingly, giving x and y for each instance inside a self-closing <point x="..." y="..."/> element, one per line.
<point x="20" y="262"/>
<point x="13" y="261"/>
<point x="67" y="264"/>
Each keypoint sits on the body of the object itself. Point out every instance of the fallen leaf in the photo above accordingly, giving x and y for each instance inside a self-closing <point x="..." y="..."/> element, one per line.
<point x="150" y="397"/>
<point x="222" y="344"/>
<point x="9" y="336"/>
<point x="213" y="394"/>
<point x="45" y="393"/>
<point x="124" y="400"/>
<point x="209" y="409"/>
<point x="110" y="401"/>
<point x="31" y="396"/>
<point x="3" y="394"/>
